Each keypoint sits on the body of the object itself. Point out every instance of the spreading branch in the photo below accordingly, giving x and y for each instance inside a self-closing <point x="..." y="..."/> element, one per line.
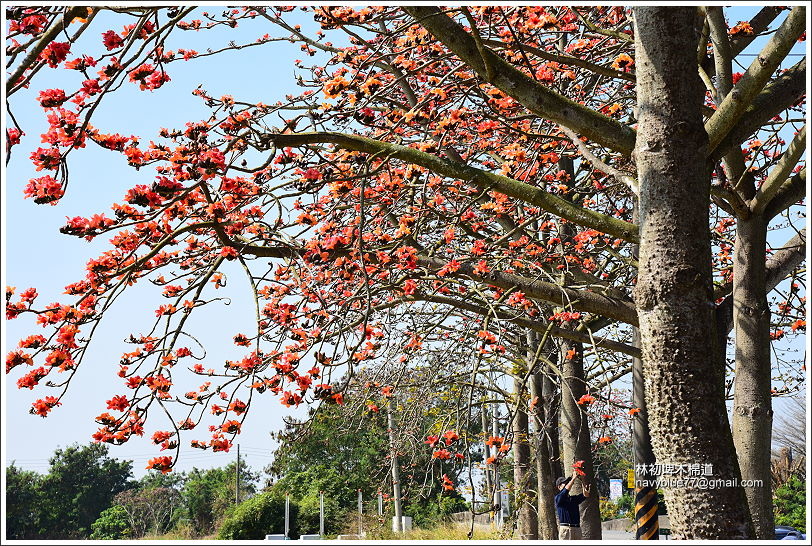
<point x="482" y="179"/>
<point x="536" y="97"/>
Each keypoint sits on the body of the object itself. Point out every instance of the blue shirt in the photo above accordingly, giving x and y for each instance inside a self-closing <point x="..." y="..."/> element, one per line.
<point x="567" y="507"/>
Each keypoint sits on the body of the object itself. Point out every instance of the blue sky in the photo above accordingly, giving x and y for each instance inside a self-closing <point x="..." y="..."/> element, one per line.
<point x="35" y="254"/>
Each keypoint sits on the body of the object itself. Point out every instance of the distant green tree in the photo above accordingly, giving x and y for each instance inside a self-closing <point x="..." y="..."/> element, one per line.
<point x="340" y="453"/>
<point x="260" y="515"/>
<point x="150" y="509"/>
<point x="113" y="524"/>
<point x="611" y="461"/>
<point x="625" y="505"/>
<point x="22" y="503"/>
<point x="790" y="504"/>
<point x="609" y="509"/>
<point x="437" y="508"/>
<point x="330" y="458"/>
<point x="80" y="484"/>
<point x="207" y="494"/>
<point x="154" y="478"/>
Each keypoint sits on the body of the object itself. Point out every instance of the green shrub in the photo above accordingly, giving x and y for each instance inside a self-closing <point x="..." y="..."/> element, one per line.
<point x="609" y="509"/>
<point x="112" y="524"/>
<point x="307" y="517"/>
<point x="258" y="516"/>
<point x="790" y="504"/>
<point x="625" y="506"/>
<point x="430" y="513"/>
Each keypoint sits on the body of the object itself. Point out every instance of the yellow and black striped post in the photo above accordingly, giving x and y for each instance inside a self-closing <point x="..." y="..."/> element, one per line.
<point x="645" y="513"/>
<point x="645" y="490"/>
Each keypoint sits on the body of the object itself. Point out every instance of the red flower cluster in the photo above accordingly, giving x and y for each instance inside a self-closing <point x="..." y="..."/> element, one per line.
<point x="43" y="407"/>
<point x="44" y="190"/>
<point x="442" y="454"/>
<point x="447" y="483"/>
<point x="12" y="137"/>
<point x="164" y="464"/>
<point x="119" y="403"/>
<point x="111" y="40"/>
<point x="565" y="316"/>
<point x="55" y="53"/>
<point x="50" y="98"/>
<point x="31" y="24"/>
<point x="586" y="400"/>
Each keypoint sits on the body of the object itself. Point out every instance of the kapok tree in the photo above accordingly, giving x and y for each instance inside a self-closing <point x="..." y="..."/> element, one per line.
<point x="431" y="170"/>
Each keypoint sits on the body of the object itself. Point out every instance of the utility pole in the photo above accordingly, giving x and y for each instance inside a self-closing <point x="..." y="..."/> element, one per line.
<point x="287" y="514"/>
<point x="398" y="527"/>
<point x="237" y="478"/>
<point x="321" y="514"/>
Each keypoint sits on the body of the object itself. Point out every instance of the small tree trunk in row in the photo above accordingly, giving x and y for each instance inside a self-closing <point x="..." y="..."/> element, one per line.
<point x="551" y="398"/>
<point x="752" y="404"/>
<point x="545" y="488"/>
<point x="577" y="445"/>
<point x="522" y="492"/>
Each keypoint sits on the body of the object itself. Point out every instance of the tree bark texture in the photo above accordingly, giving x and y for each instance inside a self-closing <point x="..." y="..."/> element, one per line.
<point x="522" y="472"/>
<point x="551" y="398"/>
<point x="545" y="488"/>
<point x="752" y="404"/>
<point x="684" y="382"/>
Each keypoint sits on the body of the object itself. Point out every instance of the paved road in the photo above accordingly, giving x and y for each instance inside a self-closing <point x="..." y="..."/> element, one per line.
<point x="617" y="535"/>
<point x="623" y="535"/>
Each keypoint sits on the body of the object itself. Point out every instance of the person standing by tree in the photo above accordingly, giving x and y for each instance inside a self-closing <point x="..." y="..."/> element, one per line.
<point x="566" y="506"/>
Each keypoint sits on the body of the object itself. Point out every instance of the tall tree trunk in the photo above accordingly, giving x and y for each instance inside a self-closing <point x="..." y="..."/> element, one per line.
<point x="684" y="382"/>
<point x="485" y="428"/>
<point x="496" y="492"/>
<point x="522" y="492"/>
<point x="545" y="488"/>
<point x="551" y="398"/>
<point x="577" y="445"/>
<point x="752" y="405"/>
<point x="752" y="408"/>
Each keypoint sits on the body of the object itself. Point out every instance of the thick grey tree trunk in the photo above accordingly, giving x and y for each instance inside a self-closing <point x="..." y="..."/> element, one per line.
<point x="576" y="444"/>
<point x="752" y="404"/>
<point x="684" y="381"/>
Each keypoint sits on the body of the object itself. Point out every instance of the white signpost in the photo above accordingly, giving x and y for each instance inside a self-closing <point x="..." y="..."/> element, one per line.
<point x="615" y="489"/>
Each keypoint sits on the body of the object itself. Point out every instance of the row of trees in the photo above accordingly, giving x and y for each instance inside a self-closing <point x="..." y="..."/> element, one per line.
<point x="64" y="503"/>
<point x="488" y="200"/>
<point x="88" y="494"/>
